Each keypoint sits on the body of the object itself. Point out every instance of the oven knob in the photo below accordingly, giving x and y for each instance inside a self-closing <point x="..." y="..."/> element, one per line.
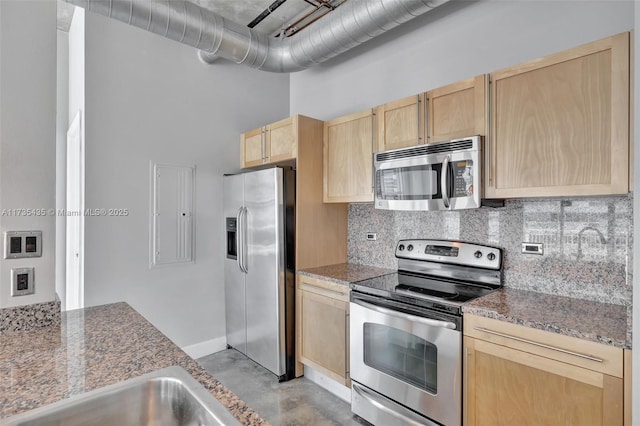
<point x="491" y="256"/>
<point x="401" y="247"/>
<point x="410" y="247"/>
<point x="478" y="254"/>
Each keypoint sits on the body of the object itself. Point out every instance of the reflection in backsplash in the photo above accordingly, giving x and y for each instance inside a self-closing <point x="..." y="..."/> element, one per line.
<point x="587" y="241"/>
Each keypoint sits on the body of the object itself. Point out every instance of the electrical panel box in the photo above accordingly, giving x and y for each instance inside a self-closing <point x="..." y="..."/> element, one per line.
<point x="172" y="222"/>
<point x="21" y="244"/>
<point x="22" y="281"/>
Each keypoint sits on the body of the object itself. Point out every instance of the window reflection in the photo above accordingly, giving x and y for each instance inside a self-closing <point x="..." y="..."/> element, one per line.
<point x="593" y="230"/>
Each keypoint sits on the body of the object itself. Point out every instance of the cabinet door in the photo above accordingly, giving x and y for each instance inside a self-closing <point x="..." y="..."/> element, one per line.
<point x="508" y="387"/>
<point x="400" y="123"/>
<point x="251" y="148"/>
<point x="280" y="143"/>
<point x="324" y="334"/>
<point x="348" y="158"/>
<point x="560" y="124"/>
<point x="457" y="110"/>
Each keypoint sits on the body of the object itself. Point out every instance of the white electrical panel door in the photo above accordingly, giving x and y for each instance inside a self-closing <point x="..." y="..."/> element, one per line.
<point x="172" y="222"/>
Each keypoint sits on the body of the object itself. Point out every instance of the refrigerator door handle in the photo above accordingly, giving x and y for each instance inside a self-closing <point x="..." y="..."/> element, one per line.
<point x="243" y="242"/>
<point x="239" y="238"/>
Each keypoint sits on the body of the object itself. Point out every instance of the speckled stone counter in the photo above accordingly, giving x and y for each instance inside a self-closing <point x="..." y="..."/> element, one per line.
<point x="597" y="322"/>
<point x="92" y="348"/>
<point x="23" y="318"/>
<point x="345" y="273"/>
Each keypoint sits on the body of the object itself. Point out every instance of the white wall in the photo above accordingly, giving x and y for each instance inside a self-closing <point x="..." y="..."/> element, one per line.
<point x="28" y="136"/>
<point x="452" y="42"/>
<point x="148" y="98"/>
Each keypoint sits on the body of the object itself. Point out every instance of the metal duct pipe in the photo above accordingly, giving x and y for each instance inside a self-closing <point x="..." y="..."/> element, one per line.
<point x="353" y="23"/>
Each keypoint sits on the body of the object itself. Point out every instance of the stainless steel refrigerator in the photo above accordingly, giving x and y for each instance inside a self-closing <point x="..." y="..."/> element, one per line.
<point x="259" y="211"/>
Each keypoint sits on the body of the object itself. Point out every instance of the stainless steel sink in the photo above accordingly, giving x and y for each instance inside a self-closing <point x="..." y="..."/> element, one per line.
<point x="166" y="397"/>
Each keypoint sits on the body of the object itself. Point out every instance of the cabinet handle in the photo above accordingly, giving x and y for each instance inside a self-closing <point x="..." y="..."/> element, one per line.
<point x="263" y="142"/>
<point x="426" y="118"/>
<point x="373" y="150"/>
<point x="541" y="345"/>
<point x="418" y="117"/>
<point x="487" y="91"/>
<point x="346" y="344"/>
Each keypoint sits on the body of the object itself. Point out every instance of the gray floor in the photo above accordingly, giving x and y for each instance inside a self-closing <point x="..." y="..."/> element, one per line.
<point x="296" y="402"/>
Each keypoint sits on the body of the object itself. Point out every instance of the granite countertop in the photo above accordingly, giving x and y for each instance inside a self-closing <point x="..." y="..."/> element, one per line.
<point x="92" y="348"/>
<point x="345" y="273"/>
<point x="597" y="322"/>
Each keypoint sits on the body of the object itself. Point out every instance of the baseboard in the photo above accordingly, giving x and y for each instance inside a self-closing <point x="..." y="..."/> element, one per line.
<point x="326" y="382"/>
<point x="208" y="347"/>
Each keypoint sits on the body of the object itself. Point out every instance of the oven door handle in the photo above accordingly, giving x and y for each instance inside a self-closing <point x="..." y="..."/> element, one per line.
<point x="444" y="181"/>
<point x="407" y="317"/>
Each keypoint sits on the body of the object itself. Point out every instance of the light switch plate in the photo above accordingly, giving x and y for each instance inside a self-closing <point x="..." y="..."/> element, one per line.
<point x="22" y="244"/>
<point x="22" y="281"/>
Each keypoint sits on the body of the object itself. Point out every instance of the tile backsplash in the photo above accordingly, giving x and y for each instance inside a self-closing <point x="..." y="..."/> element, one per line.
<point x="588" y="243"/>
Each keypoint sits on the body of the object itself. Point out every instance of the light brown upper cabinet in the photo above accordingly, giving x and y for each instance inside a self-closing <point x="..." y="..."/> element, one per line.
<point x="400" y="123"/>
<point x="273" y="143"/>
<point x="252" y="148"/>
<point x="348" y="158"/>
<point x="560" y="124"/>
<point x="457" y="110"/>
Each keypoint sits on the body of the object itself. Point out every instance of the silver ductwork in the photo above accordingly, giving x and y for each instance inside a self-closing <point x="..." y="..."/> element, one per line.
<point x="353" y="23"/>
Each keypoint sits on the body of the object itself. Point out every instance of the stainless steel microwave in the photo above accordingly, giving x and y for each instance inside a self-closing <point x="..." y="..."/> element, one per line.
<point x="438" y="176"/>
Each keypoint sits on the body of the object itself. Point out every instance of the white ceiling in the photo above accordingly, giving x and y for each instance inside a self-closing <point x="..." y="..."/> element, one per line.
<point x="285" y="14"/>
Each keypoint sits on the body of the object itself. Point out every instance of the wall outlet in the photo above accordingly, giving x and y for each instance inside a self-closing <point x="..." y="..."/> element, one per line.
<point x="22" y="281"/>
<point x="533" y="248"/>
<point x="372" y="236"/>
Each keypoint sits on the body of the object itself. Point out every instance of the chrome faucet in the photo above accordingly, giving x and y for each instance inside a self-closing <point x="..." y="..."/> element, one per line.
<point x="603" y="240"/>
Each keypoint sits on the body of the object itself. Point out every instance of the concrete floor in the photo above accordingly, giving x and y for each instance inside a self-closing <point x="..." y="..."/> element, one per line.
<point x="296" y="402"/>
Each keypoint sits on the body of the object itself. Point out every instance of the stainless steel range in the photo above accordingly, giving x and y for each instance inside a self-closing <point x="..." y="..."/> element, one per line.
<point x="406" y="332"/>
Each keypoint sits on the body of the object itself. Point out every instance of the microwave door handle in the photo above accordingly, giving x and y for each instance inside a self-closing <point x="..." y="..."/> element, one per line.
<point x="444" y="181"/>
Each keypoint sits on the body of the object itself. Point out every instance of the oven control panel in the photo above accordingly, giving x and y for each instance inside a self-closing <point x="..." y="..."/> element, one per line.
<point x="446" y="251"/>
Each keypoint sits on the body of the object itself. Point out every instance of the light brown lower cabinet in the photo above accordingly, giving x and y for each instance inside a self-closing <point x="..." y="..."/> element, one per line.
<point x="323" y="327"/>
<point x="515" y="375"/>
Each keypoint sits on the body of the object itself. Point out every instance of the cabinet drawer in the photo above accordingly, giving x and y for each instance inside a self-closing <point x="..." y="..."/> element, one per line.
<point x="591" y="355"/>
<point x="324" y="288"/>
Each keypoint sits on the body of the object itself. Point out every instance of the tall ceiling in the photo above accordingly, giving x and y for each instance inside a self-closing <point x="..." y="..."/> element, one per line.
<point x="271" y="17"/>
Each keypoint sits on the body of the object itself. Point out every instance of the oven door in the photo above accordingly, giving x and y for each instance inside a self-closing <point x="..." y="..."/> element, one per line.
<point x="409" y="358"/>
